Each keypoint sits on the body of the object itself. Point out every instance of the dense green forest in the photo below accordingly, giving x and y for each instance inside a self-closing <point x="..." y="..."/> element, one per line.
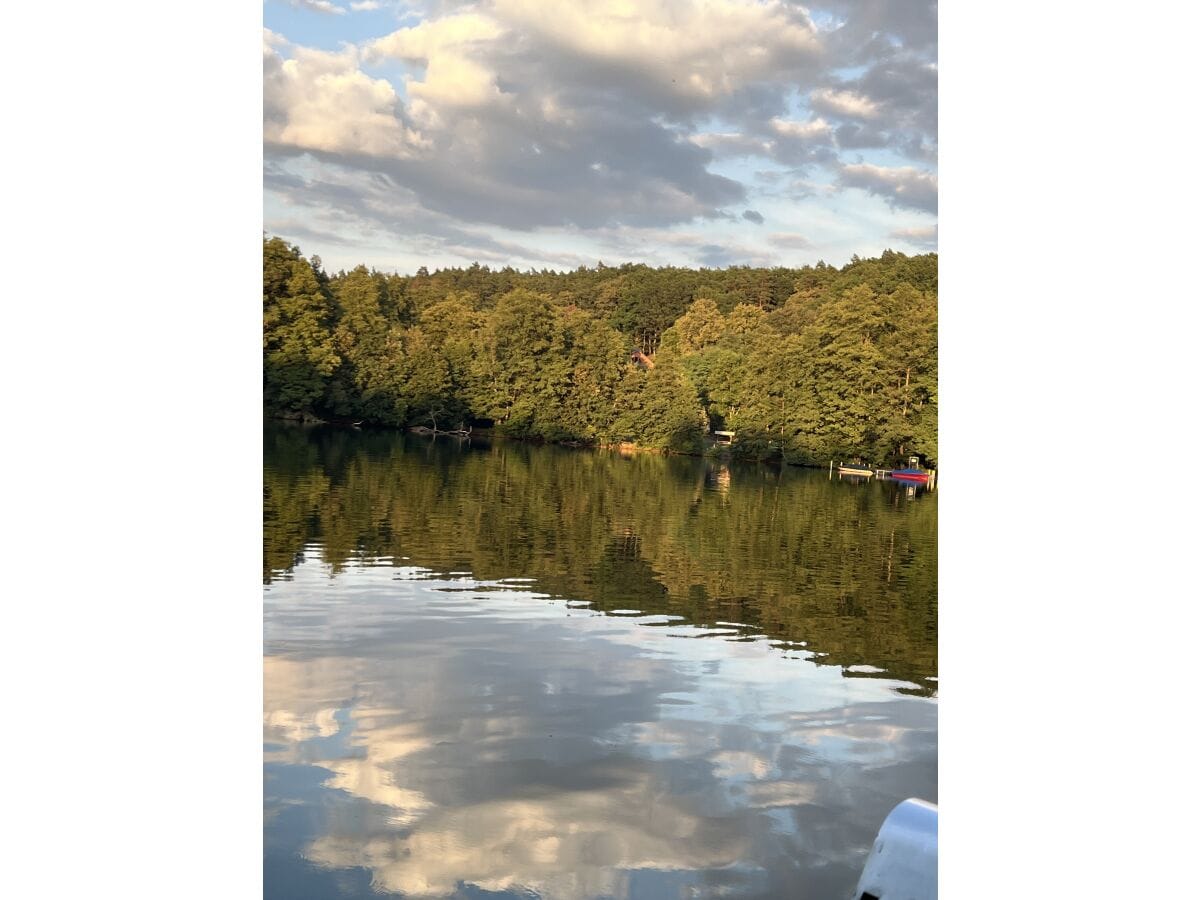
<point x="805" y="365"/>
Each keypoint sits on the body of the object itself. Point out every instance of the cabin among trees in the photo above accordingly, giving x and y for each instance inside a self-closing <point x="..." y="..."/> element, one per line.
<point x="802" y="364"/>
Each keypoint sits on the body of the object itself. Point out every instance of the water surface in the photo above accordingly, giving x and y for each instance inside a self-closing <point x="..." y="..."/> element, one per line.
<point x="517" y="671"/>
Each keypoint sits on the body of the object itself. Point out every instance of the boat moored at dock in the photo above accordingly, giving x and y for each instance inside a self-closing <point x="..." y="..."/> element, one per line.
<point x="914" y="473"/>
<point x="855" y="469"/>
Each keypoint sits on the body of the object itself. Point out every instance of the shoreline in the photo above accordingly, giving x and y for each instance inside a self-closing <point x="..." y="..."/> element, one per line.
<point x="624" y="448"/>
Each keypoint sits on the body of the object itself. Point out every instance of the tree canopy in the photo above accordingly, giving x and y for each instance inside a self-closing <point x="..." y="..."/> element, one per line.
<point x="805" y="365"/>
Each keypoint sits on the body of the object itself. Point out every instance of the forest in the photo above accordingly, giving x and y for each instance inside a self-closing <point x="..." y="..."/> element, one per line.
<point x="803" y="365"/>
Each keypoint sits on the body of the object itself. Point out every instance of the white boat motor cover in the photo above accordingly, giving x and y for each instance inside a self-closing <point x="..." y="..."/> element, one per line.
<point x="903" y="860"/>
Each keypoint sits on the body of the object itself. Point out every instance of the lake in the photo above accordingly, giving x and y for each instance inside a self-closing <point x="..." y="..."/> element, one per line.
<point x="494" y="669"/>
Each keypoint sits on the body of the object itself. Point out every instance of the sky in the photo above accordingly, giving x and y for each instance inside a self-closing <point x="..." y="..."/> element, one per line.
<point x="560" y="133"/>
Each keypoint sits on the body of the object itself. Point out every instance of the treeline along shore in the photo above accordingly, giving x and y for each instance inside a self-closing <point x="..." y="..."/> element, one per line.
<point x="803" y="365"/>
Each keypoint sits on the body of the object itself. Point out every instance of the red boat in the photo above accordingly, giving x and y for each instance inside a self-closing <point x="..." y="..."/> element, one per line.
<point x="910" y="475"/>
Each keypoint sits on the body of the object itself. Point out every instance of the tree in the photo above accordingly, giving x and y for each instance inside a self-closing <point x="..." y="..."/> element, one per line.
<point x="370" y="383"/>
<point x="660" y="407"/>
<point x="522" y="380"/>
<point x="428" y="387"/>
<point x="298" y="351"/>
<point x="910" y="347"/>
<point x="699" y="327"/>
<point x="598" y="360"/>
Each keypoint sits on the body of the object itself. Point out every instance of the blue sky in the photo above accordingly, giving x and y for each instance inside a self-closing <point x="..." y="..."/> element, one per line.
<point x="555" y="134"/>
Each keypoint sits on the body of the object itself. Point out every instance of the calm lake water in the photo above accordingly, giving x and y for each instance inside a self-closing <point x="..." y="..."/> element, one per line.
<point x="501" y="670"/>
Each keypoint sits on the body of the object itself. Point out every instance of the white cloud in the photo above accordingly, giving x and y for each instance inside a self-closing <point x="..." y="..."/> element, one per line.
<point x="697" y="51"/>
<point x="844" y="103"/>
<point x="435" y="36"/>
<point x="568" y="846"/>
<point x="605" y="113"/>
<point x="817" y="129"/>
<point x="321" y="101"/>
<point x="454" y="72"/>
<point x="453" y="80"/>
<point x="457" y="811"/>
<point x="321" y="6"/>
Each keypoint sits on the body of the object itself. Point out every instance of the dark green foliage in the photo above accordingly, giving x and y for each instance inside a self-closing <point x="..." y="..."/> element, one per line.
<point x="298" y="348"/>
<point x="806" y="364"/>
<point x="372" y="381"/>
<point x="660" y="408"/>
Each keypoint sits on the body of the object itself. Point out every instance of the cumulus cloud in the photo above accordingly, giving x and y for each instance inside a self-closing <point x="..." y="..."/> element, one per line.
<point x="904" y="186"/>
<point x="590" y="114"/>
<point x="683" y="56"/>
<point x="844" y="103"/>
<point x="814" y="130"/>
<point x="892" y="101"/>
<point x="521" y="154"/>
<point x="431" y="36"/>
<point x="321" y="101"/>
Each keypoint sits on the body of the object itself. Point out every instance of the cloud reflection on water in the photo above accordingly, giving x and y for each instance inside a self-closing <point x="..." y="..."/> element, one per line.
<point x="498" y="739"/>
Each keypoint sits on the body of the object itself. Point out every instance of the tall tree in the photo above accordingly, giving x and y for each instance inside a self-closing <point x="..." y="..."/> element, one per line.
<point x="370" y="383"/>
<point x="298" y="351"/>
